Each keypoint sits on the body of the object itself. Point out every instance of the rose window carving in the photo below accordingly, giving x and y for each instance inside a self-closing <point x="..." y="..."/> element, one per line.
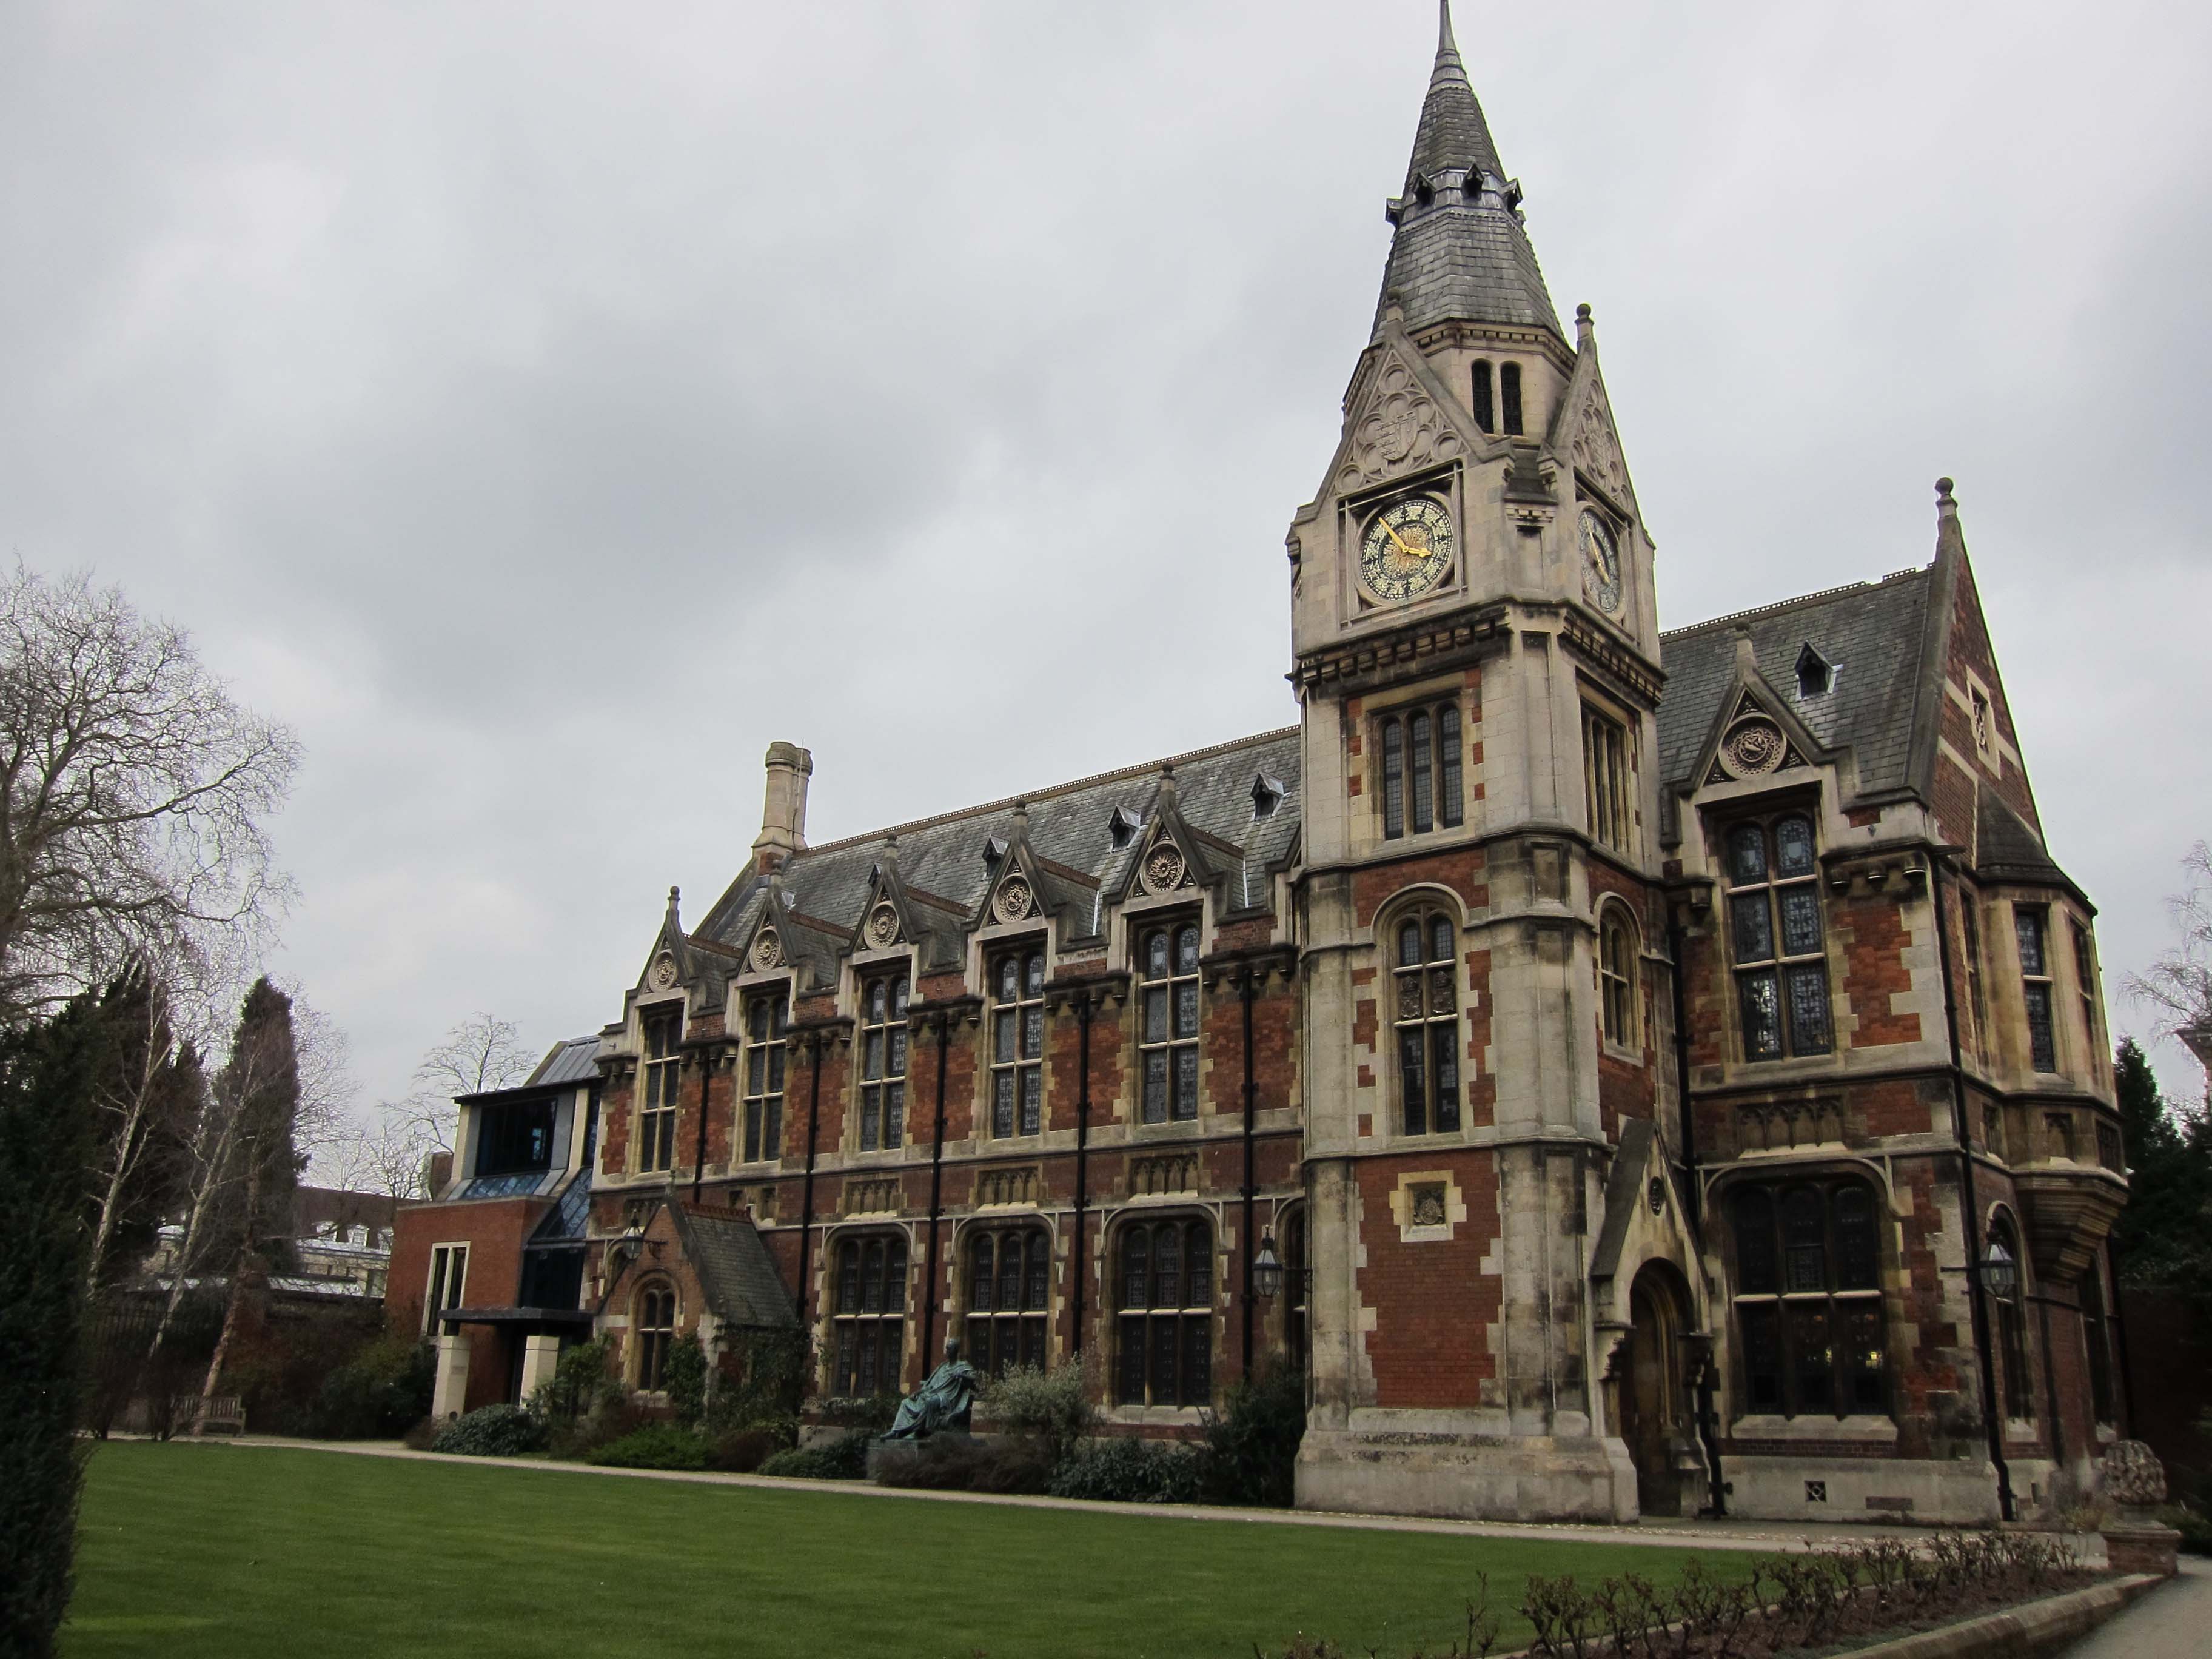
<point x="1753" y="748"/>
<point x="1163" y="869"/>
<point x="1014" y="901"/>
<point x="882" y="926"/>
<point x="768" y="950"/>
<point x="663" y="972"/>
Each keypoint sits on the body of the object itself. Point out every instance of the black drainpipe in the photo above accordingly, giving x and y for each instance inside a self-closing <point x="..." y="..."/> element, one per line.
<point x="1251" y="1105"/>
<point x="699" y="1156"/>
<point x="1083" y="1010"/>
<point x="806" y="1202"/>
<point x="929" y="1293"/>
<point x="1707" y="1436"/>
<point x="1971" y="1206"/>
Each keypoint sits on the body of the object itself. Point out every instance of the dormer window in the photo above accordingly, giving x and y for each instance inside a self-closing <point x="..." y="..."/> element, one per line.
<point x="1121" y="829"/>
<point x="1816" y="675"/>
<point x="1267" y="794"/>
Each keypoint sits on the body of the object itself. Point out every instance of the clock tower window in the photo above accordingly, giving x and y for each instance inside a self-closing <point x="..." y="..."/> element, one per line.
<point x="1426" y="742"/>
<point x="1509" y="397"/>
<point x="1425" y="1017"/>
<point x="1485" y="400"/>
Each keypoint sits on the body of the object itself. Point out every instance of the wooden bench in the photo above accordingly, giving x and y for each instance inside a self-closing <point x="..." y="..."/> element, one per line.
<point x="218" y="1413"/>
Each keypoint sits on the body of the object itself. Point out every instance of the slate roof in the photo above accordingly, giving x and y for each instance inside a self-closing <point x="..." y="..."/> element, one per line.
<point x="734" y="1268"/>
<point x="1461" y="250"/>
<point x="2005" y="847"/>
<point x="943" y="862"/>
<point x="1873" y="636"/>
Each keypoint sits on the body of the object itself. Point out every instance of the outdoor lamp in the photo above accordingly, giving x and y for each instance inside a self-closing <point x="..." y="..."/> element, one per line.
<point x="1268" y="1267"/>
<point x="2000" y="1272"/>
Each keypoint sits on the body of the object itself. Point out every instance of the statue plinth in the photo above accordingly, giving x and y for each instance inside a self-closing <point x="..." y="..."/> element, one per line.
<point x="2134" y="1480"/>
<point x="888" y="1458"/>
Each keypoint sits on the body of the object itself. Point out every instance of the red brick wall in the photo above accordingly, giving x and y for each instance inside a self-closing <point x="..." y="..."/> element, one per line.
<point x="1871" y="932"/>
<point x="494" y="1230"/>
<point x="1433" y="1305"/>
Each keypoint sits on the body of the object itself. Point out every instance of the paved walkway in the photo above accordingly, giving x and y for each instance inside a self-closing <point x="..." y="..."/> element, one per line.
<point x="2172" y="1622"/>
<point x="1754" y="1536"/>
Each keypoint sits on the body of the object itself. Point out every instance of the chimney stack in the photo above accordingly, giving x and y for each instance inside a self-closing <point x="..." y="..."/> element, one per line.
<point x="783" y="815"/>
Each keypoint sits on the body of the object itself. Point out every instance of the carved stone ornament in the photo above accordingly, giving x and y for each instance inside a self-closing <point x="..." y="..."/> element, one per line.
<point x="768" y="950"/>
<point x="1014" y="902"/>
<point x="2133" y="1474"/>
<point x="1429" y="1205"/>
<point x="1163" y="869"/>
<point x="1401" y="428"/>
<point x="1598" y="451"/>
<point x="1753" y="748"/>
<point x="882" y="926"/>
<point x="663" y="972"/>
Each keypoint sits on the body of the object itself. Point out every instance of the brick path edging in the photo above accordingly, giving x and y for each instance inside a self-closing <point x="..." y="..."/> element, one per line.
<point x="2038" y="1629"/>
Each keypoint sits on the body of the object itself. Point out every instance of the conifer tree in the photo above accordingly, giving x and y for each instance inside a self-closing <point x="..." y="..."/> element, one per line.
<point x="2164" y="1236"/>
<point x="46" y="1136"/>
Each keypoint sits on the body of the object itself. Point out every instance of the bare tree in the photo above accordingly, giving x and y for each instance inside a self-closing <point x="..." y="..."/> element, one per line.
<point x="132" y="791"/>
<point x="388" y="1153"/>
<point x="147" y="1093"/>
<point x="2177" y="987"/>
<point x="479" y="1054"/>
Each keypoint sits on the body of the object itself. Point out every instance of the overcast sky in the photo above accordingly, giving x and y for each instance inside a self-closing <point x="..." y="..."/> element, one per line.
<point x="543" y="407"/>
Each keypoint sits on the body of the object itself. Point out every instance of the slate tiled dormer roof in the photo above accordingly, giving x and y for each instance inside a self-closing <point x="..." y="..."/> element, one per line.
<point x="1460" y="251"/>
<point x="947" y="863"/>
<point x="1872" y="633"/>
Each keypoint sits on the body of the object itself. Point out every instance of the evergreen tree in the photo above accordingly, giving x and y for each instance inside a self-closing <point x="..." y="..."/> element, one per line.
<point x="2164" y="1234"/>
<point x="146" y="1095"/>
<point x="46" y="1138"/>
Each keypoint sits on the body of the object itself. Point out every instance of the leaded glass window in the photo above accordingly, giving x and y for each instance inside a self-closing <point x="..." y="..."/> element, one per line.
<point x="764" y="1097"/>
<point x="1775" y="936"/>
<point x="870" y="1323"/>
<point x="1424" y="1019"/>
<point x="656" y="1329"/>
<point x="1605" y="781"/>
<point x="2019" y="1391"/>
<point x="1424" y="770"/>
<point x="1166" y="1284"/>
<point x="1808" y="1300"/>
<point x="663" y="1068"/>
<point x="2029" y="925"/>
<point x="1616" y="977"/>
<point x="1018" y="1044"/>
<point x="1009" y="1281"/>
<point x="1167" y="1035"/>
<point x="882" y="1063"/>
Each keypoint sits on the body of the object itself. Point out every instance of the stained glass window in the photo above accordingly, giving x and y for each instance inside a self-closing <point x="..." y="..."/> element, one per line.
<point x="1167" y="1033"/>
<point x="1775" y="933"/>
<point x="1166" y="1315"/>
<point x="871" y="1315"/>
<point x="1017" y="1045"/>
<point x="1809" y="1301"/>
<point x="1425" y="1017"/>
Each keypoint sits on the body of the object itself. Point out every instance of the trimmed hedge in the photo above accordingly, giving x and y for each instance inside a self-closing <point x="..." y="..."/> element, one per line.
<point x="656" y="1446"/>
<point x="844" y="1458"/>
<point x="492" y="1431"/>
<point x="1130" y="1471"/>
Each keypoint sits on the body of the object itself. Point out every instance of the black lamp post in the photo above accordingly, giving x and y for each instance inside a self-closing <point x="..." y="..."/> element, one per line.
<point x="1999" y="1273"/>
<point x="1267" y="1269"/>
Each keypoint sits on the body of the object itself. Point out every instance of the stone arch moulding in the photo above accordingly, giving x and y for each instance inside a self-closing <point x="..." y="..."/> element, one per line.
<point x="1392" y="911"/>
<point x="1811" y="1169"/>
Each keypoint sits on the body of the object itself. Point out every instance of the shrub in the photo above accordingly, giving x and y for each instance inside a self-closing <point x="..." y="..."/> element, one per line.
<point x="2195" y="1529"/>
<point x="1252" y="1444"/>
<point x="844" y="1458"/>
<point x="740" y="1451"/>
<point x="771" y="1373"/>
<point x="957" y="1465"/>
<point x="423" y="1436"/>
<point x="376" y="1394"/>
<point x="492" y="1431"/>
<point x="1123" y="1470"/>
<point x="579" y="1382"/>
<point x="655" y="1446"/>
<point x="1053" y="1407"/>
<point x="683" y="1376"/>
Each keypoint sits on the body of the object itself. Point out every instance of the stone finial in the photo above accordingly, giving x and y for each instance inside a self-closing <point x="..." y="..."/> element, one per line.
<point x="1945" y="507"/>
<point x="1584" y="327"/>
<point x="1168" y="794"/>
<point x="1021" y="826"/>
<point x="675" y="899"/>
<point x="2134" y="1477"/>
<point x="1746" y="659"/>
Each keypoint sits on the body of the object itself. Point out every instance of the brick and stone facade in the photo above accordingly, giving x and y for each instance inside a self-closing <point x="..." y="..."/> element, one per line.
<point x="1633" y="1044"/>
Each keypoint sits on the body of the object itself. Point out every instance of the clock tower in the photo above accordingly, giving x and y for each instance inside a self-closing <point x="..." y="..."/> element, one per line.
<point x="1475" y="649"/>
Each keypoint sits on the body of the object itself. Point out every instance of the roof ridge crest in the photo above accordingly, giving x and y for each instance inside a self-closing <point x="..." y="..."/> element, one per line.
<point x="1784" y="605"/>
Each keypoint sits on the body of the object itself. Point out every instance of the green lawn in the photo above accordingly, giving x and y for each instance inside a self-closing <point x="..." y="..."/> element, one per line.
<point x="242" y="1552"/>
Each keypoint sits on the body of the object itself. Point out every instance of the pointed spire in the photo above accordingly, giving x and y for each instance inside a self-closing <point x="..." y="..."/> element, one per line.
<point x="1459" y="250"/>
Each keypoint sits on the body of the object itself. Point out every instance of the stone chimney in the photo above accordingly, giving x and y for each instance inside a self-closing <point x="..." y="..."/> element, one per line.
<point x="783" y="815"/>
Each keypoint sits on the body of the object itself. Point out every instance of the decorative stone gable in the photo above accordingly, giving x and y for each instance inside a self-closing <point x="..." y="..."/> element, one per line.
<point x="1753" y="745"/>
<point x="1163" y="868"/>
<point x="767" y="951"/>
<point x="1596" y="448"/>
<point x="1402" y="430"/>
<point x="882" y="929"/>
<point x="1015" y="899"/>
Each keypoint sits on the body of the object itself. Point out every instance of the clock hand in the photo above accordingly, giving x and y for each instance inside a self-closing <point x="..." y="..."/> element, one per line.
<point x="1410" y="552"/>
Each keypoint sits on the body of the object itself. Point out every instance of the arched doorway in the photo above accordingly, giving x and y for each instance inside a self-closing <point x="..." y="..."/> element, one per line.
<point x="1655" y="1407"/>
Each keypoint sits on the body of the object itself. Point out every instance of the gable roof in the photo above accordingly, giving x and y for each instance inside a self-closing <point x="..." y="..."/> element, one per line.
<point x="944" y="867"/>
<point x="735" y="1271"/>
<point x="1873" y="635"/>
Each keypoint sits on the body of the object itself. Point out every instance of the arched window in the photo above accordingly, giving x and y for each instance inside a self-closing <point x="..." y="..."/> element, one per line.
<point x="1009" y="1279"/>
<point x="1167" y="1038"/>
<point x="656" y="1329"/>
<point x="1424" y="743"/>
<point x="1018" y="1044"/>
<point x="883" y="1064"/>
<point x="1509" y="396"/>
<point x="1166" y="1302"/>
<point x="1774" y="928"/>
<point x="2018" y="1392"/>
<point x="1808" y="1298"/>
<point x="870" y="1317"/>
<point x="765" y="1078"/>
<point x="1427" y="1017"/>
<point x="1616" y="977"/>
<point x="1486" y="401"/>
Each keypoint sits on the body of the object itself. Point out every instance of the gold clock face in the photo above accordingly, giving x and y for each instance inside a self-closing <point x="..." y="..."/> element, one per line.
<point x="1407" y="549"/>
<point x="1600" y="562"/>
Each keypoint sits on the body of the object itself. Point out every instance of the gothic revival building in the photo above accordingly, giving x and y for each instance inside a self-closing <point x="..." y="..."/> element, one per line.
<point x="1624" y="1071"/>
